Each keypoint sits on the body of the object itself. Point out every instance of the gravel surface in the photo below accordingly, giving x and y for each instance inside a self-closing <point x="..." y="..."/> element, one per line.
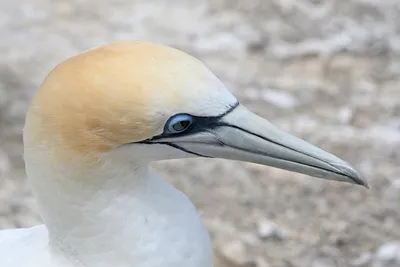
<point x="324" y="70"/>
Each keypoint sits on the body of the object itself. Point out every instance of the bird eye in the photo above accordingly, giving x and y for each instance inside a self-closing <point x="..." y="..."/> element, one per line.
<point x="179" y="123"/>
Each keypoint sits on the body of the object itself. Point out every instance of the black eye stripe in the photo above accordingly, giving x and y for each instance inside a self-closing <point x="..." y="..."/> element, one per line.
<point x="200" y="123"/>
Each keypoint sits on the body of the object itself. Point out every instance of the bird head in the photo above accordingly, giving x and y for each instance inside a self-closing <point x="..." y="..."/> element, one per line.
<point x="137" y="102"/>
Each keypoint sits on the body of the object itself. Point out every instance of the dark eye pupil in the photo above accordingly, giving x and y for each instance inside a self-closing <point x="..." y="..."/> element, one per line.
<point x="182" y="125"/>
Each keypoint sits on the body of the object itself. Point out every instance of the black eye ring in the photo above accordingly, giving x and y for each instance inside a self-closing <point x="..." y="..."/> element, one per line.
<point x="179" y="123"/>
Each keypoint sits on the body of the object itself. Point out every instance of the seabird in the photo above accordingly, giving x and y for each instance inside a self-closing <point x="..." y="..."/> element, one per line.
<point x="98" y="120"/>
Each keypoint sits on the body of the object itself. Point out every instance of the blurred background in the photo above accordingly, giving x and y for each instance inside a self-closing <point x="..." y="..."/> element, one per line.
<point x="324" y="70"/>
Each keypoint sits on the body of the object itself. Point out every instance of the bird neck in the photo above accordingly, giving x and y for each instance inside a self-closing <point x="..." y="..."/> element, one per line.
<point x="119" y="216"/>
<point x="89" y="210"/>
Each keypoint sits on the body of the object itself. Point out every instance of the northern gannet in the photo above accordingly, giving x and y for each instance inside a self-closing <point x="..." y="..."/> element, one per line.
<point x="98" y="120"/>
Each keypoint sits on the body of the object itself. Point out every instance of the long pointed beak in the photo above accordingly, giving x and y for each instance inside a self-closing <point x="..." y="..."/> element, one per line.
<point x="244" y="136"/>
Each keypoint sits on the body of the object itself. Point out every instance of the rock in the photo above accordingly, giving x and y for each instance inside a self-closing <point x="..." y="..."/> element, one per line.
<point x="345" y="115"/>
<point x="396" y="183"/>
<point x="389" y="252"/>
<point x="268" y="229"/>
<point x="363" y="260"/>
<point x="234" y="254"/>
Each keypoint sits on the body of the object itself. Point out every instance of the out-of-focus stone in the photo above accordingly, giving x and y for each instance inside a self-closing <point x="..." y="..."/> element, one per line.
<point x="268" y="229"/>
<point x="389" y="253"/>
<point x="396" y="183"/>
<point x="234" y="254"/>
<point x="345" y="115"/>
<point x="363" y="260"/>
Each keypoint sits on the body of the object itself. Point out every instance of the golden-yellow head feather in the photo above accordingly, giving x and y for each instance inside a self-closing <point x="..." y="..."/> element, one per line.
<point x="118" y="93"/>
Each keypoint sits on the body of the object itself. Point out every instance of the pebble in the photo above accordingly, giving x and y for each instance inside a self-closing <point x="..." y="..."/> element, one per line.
<point x="345" y="115"/>
<point x="234" y="254"/>
<point x="363" y="260"/>
<point x="396" y="183"/>
<point x="267" y="229"/>
<point x="389" y="252"/>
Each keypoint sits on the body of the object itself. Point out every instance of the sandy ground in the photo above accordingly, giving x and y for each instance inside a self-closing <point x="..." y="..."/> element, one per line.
<point x="324" y="70"/>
